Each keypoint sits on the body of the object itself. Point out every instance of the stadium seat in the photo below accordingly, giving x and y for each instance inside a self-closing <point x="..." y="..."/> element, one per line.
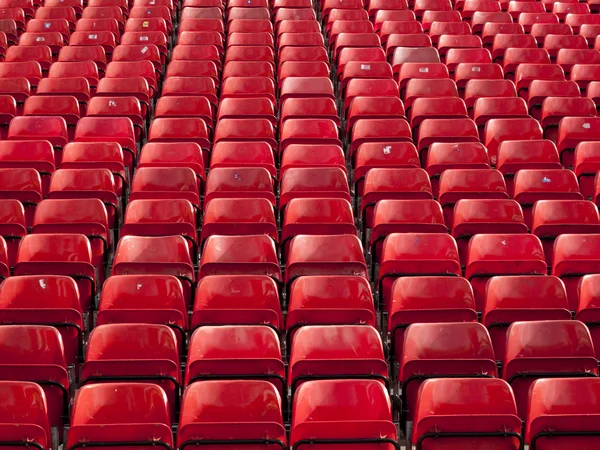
<point x="423" y="357"/>
<point x="572" y="131"/>
<point x="521" y="298"/>
<point x="48" y="128"/>
<point x="230" y="352"/>
<point x="35" y="353"/>
<point x="555" y="348"/>
<point x="22" y="304"/>
<point x="410" y="254"/>
<point x="237" y="300"/>
<point x="87" y="183"/>
<point x="148" y="299"/>
<point x="531" y="185"/>
<point x="392" y="183"/>
<point x="329" y="300"/>
<point x="552" y="218"/>
<point x="336" y="352"/>
<point x="498" y="130"/>
<point x="342" y="412"/>
<point x="562" y="410"/>
<point x="136" y="413"/>
<point x="586" y="167"/>
<point x="165" y="255"/>
<point x="212" y="409"/>
<point x="492" y="255"/>
<point x="24" y="414"/>
<point x="445" y="404"/>
<point x="166" y="183"/>
<point x="539" y="90"/>
<point x="134" y="353"/>
<point x="489" y="216"/>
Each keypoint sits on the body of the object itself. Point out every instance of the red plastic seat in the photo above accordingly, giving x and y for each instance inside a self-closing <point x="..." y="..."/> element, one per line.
<point x="231" y="131"/>
<point x="403" y="55"/>
<point x="575" y="255"/>
<point x="498" y="130"/>
<point x="589" y="32"/>
<point x="492" y="255"/>
<point x="439" y="29"/>
<point x="230" y="216"/>
<point x="109" y="129"/>
<point x="174" y="182"/>
<point x="144" y="69"/>
<point x="239" y="182"/>
<point x="325" y="410"/>
<point x="466" y="353"/>
<point x="147" y="299"/>
<point x="84" y="69"/>
<point x="303" y="87"/>
<point x="38" y="155"/>
<point x="237" y="300"/>
<point x="166" y="255"/>
<point x="253" y="255"/>
<point x="12" y="227"/>
<point x="540" y="30"/>
<point x="302" y="108"/>
<point x="30" y="70"/>
<point x="428" y="88"/>
<point x="49" y="128"/>
<point x="243" y="154"/>
<point x="400" y="15"/>
<point x="35" y="353"/>
<point x="308" y="131"/>
<point x="475" y="89"/>
<point x="575" y="21"/>
<point x="104" y="38"/>
<point x="513" y="57"/>
<point x="177" y="129"/>
<point x="445" y="130"/>
<point x="583" y="74"/>
<point x="372" y="87"/>
<point x="567" y="58"/>
<point x="95" y="53"/>
<point x="586" y="167"/>
<point x="486" y="109"/>
<point x="130" y="410"/>
<point x="297" y="155"/>
<point x="528" y="73"/>
<point x="555" y="108"/>
<point x="265" y="38"/>
<point x="482" y="18"/>
<point x="134" y="353"/>
<point x="431" y="16"/>
<point x="24" y="414"/>
<point x="325" y="255"/>
<point x="415" y="254"/>
<point x="24" y="185"/>
<point x="446" y="404"/>
<point x="210" y="408"/>
<point x="429" y="71"/>
<point x="260" y="68"/>
<point x="40" y="53"/>
<point x="516" y="8"/>
<point x="21" y="304"/>
<point x="329" y="300"/>
<point x="558" y="348"/>
<point x="397" y="216"/>
<point x="235" y="351"/>
<point x="150" y="37"/>
<point x="511" y="299"/>
<point x="313" y="182"/>
<point x="42" y="26"/>
<point x="19" y="88"/>
<point x="392" y="183"/>
<point x="316" y="216"/>
<point x="363" y="107"/>
<point x="502" y="42"/>
<point x="85" y="216"/>
<point x="427" y="299"/>
<point x="564" y="406"/>
<point x="336" y="351"/>
<point x="489" y="216"/>
<point x="161" y="217"/>
<point x="456" y="184"/>
<point x="125" y="87"/>
<point x="539" y="90"/>
<point x="572" y="131"/>
<point x="62" y="106"/>
<point x="550" y="184"/>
